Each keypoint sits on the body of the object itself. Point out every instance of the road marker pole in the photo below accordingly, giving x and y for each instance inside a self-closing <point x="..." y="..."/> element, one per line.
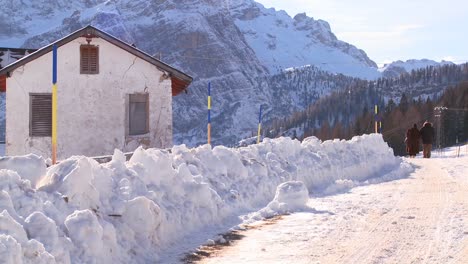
<point x="54" y="104"/>
<point x="209" y="113"/>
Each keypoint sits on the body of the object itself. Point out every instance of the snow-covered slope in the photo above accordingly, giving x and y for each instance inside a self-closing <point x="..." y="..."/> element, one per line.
<point x="280" y="42"/>
<point x="228" y="43"/>
<point x="80" y="211"/>
<point x="397" y="68"/>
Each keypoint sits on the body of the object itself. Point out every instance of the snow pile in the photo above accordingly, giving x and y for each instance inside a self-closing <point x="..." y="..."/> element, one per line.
<point x="84" y="212"/>
<point x="290" y="197"/>
<point x="29" y="167"/>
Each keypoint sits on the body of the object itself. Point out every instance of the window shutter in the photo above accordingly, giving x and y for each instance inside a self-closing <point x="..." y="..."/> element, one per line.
<point x="41" y="115"/>
<point x="94" y="60"/>
<point x="2" y="83"/>
<point x="84" y="60"/>
<point x="89" y="59"/>
<point x="138" y="114"/>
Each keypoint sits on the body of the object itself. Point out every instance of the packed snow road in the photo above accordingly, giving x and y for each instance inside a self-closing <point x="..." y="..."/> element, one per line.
<point x="420" y="219"/>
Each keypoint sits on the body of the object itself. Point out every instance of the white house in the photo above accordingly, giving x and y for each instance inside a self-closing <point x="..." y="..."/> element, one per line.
<point x="110" y="95"/>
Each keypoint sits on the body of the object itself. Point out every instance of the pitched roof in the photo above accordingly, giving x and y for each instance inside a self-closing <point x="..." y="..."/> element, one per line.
<point x="180" y="80"/>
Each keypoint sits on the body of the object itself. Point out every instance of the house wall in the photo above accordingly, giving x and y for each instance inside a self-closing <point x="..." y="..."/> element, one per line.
<point x="91" y="108"/>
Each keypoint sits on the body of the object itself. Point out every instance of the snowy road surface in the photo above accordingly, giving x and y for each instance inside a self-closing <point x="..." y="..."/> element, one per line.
<point x="420" y="219"/>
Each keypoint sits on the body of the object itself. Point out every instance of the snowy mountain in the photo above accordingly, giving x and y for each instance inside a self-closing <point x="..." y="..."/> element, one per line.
<point x="397" y="68"/>
<point x="231" y="44"/>
<point x="280" y="41"/>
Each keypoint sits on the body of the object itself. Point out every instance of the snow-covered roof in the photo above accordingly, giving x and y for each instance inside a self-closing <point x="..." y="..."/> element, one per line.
<point x="10" y="55"/>
<point x="180" y="80"/>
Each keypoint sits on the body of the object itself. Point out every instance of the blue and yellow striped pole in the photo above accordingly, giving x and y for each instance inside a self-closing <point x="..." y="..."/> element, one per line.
<point x="54" y="104"/>
<point x="376" y="122"/>
<point x="209" y="113"/>
<point x="259" y="125"/>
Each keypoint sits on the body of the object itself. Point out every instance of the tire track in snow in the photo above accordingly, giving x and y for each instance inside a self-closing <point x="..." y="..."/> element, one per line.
<point x="363" y="252"/>
<point x="435" y="216"/>
<point x="448" y="220"/>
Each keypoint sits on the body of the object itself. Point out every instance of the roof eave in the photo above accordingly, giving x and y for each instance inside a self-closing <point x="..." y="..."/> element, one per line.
<point x="96" y="32"/>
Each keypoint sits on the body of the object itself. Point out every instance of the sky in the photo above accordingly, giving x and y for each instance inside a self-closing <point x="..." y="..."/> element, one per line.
<point x="392" y="30"/>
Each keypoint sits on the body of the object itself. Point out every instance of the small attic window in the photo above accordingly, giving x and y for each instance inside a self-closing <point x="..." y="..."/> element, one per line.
<point x="89" y="59"/>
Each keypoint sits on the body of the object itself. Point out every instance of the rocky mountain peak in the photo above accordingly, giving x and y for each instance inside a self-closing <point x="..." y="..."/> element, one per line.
<point x="302" y="20"/>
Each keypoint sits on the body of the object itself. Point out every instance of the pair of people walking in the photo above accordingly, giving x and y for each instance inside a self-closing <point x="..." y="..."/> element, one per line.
<point x="426" y="134"/>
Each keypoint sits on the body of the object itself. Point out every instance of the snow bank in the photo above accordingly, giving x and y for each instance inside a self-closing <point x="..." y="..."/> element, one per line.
<point x="85" y="212"/>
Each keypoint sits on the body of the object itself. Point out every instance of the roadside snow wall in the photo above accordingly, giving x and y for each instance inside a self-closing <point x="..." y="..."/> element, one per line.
<point x="80" y="211"/>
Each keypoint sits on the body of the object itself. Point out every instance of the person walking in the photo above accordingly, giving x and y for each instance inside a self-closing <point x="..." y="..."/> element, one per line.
<point x="412" y="141"/>
<point x="427" y="136"/>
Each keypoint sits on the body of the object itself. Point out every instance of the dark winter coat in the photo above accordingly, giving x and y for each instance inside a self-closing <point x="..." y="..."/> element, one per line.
<point x="427" y="133"/>
<point x="412" y="143"/>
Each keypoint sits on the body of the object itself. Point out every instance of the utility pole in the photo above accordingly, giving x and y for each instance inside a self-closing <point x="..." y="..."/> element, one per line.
<point x="438" y="112"/>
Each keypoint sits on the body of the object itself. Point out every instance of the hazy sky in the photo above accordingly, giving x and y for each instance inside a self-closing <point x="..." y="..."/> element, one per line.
<point x="392" y="30"/>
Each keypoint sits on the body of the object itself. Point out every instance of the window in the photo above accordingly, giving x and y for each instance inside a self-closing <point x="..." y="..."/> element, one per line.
<point x="89" y="59"/>
<point x="40" y="115"/>
<point x="138" y="114"/>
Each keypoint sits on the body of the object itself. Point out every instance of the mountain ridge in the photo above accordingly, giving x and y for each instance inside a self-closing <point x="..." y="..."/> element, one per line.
<point x="399" y="67"/>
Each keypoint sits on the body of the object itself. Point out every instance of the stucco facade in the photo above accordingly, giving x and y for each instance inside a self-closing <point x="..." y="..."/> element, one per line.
<point x="92" y="109"/>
